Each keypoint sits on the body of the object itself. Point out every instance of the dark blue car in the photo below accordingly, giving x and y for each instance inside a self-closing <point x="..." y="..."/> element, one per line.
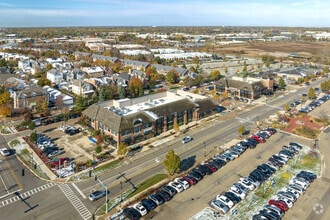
<point x="149" y="204"/>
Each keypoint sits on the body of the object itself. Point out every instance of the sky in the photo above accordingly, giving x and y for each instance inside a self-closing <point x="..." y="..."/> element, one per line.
<point x="65" y="13"/>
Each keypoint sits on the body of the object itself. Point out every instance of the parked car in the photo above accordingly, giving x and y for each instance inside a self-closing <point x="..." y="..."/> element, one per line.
<point x="177" y="186"/>
<point x="4" y="151"/>
<point x="190" y="180"/>
<point x="186" y="139"/>
<point x="170" y="190"/>
<point x="183" y="182"/>
<point x="220" y="206"/>
<point x="131" y="214"/>
<point x="275" y="209"/>
<point x="284" y="207"/>
<point x="156" y="199"/>
<point x="233" y="197"/>
<point x="140" y="208"/>
<point x="247" y="183"/>
<point x="166" y="197"/>
<point x="225" y="200"/>
<point x="97" y="194"/>
<point x="148" y="204"/>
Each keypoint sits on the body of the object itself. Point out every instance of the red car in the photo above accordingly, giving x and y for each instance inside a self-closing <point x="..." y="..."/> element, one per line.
<point x="258" y="138"/>
<point x="282" y="205"/>
<point x="212" y="168"/>
<point x="61" y="160"/>
<point x="191" y="181"/>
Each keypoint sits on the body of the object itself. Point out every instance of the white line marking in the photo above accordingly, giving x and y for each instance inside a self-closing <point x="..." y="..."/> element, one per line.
<point x="79" y="191"/>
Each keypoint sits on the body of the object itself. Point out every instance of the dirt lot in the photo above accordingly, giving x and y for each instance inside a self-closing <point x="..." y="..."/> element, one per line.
<point x="255" y="49"/>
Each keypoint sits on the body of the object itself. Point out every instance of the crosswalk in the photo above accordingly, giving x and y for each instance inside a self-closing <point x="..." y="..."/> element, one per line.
<point x="26" y="194"/>
<point x="75" y="201"/>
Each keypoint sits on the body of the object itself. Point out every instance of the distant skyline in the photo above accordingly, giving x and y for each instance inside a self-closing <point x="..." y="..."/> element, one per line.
<point x="65" y="13"/>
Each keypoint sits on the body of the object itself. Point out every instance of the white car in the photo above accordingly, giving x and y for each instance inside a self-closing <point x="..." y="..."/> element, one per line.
<point x="247" y="183"/>
<point x="4" y="151"/>
<point x="140" y="208"/>
<point x="184" y="183"/>
<point x="186" y="139"/>
<point x="299" y="182"/>
<point x="177" y="186"/>
<point x="218" y="205"/>
<point x="225" y="200"/>
<point x="296" y="193"/>
<point x="238" y="192"/>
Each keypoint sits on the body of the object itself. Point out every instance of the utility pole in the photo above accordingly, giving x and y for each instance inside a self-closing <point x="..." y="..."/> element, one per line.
<point x="204" y="149"/>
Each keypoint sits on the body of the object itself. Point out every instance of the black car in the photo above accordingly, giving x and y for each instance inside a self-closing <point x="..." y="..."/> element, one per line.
<point x="270" y="214"/>
<point x="131" y="214"/>
<point x="266" y="169"/>
<point x="214" y="164"/>
<point x="232" y="196"/>
<point x="309" y="176"/>
<point x="258" y="175"/>
<point x="170" y="190"/>
<point x="199" y="171"/>
<point x="205" y="168"/>
<point x="219" y="161"/>
<point x="296" y="145"/>
<point x="148" y="204"/>
<point x="162" y="193"/>
<point x="195" y="175"/>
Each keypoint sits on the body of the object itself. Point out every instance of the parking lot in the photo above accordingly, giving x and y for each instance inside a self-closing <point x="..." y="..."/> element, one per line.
<point x="198" y="197"/>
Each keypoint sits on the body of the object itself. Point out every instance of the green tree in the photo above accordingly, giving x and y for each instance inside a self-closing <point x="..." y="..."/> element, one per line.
<point x="33" y="137"/>
<point x="98" y="149"/>
<point x="81" y="104"/>
<point x="281" y="83"/>
<point x="241" y="130"/>
<point x="172" y="162"/>
<point x="311" y="93"/>
<point x="122" y="149"/>
<point x="172" y="76"/>
<point x="121" y="92"/>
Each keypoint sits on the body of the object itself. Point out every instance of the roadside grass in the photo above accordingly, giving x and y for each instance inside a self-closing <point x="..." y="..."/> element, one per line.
<point x="279" y="125"/>
<point x="96" y="171"/>
<point x="140" y="188"/>
<point x="25" y="156"/>
<point x="14" y="143"/>
<point x="306" y="132"/>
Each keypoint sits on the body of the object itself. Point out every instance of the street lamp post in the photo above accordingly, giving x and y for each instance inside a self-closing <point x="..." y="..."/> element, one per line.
<point x="106" y="193"/>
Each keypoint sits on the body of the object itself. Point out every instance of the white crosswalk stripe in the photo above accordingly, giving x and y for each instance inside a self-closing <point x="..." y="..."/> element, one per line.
<point x="26" y="194"/>
<point x="75" y="201"/>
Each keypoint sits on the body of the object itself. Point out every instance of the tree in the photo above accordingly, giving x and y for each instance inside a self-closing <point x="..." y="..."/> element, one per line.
<point x="287" y="107"/>
<point x="325" y="86"/>
<point x="81" y="104"/>
<point x="33" y="137"/>
<point x="311" y="93"/>
<point x="281" y="83"/>
<point x="5" y="110"/>
<point x="98" y="149"/>
<point x="215" y="75"/>
<point x="121" y="92"/>
<point x="134" y="85"/>
<point x="172" y="162"/>
<point x="122" y="149"/>
<point x="244" y="67"/>
<point x="42" y="106"/>
<point x="241" y="130"/>
<point x="44" y="82"/>
<point x="172" y="76"/>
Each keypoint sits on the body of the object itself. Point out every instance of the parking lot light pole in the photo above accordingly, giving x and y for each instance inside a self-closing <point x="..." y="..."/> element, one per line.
<point x="204" y="149"/>
<point x="106" y="193"/>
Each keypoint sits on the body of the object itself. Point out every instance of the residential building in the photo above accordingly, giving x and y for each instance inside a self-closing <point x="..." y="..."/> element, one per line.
<point x="55" y="76"/>
<point x="82" y="88"/>
<point x="28" y="97"/>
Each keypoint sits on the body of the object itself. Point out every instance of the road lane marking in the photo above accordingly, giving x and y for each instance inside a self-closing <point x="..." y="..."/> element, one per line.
<point x="26" y="194"/>
<point x="79" y="191"/>
<point x="75" y="201"/>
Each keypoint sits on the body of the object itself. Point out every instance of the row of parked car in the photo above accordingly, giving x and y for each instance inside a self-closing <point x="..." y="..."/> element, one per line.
<point x="238" y="191"/>
<point x="47" y="146"/>
<point x="286" y="197"/>
<point x="178" y="185"/>
<point x="311" y="106"/>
